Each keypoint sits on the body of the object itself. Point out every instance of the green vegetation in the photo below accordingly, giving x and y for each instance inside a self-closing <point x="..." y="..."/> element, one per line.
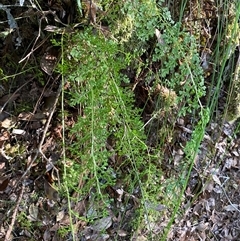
<point x="131" y="71"/>
<point x="94" y="65"/>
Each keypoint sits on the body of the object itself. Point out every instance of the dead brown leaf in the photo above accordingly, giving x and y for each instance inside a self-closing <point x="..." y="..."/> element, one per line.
<point x="3" y="183"/>
<point x="50" y="191"/>
<point x="33" y="212"/>
<point x="49" y="60"/>
<point x="8" y="98"/>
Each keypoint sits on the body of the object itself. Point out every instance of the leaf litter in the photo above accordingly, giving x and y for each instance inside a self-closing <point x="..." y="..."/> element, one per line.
<point x="211" y="215"/>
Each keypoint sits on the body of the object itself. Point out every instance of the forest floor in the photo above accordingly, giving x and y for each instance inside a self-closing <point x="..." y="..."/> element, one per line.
<point x="30" y="208"/>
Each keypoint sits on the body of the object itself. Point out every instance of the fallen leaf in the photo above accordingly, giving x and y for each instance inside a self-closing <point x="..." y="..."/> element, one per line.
<point x="60" y="215"/>
<point x="33" y="211"/>
<point x="3" y="183"/>
<point x="80" y="207"/>
<point x="120" y="193"/>
<point x="4" y="136"/>
<point x="216" y="179"/>
<point x="159" y="37"/>
<point x="8" y="123"/>
<point x="46" y="235"/>
<point x="231" y="207"/>
<point x="102" y="224"/>
<point x="122" y="233"/>
<point x="50" y="191"/>
<point x="141" y="238"/>
<point x="8" y="98"/>
<point x="201" y="226"/>
<point x="18" y="132"/>
<point x="49" y="60"/>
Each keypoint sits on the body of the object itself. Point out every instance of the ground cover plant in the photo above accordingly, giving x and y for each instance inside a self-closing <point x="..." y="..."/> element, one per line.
<point x="122" y="123"/>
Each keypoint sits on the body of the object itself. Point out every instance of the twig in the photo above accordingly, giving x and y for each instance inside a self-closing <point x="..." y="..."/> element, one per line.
<point x="229" y="201"/>
<point x="1" y="110"/>
<point x="35" y="42"/>
<point x="39" y="33"/>
<point x="39" y="150"/>
<point x="187" y="130"/>
<point x="10" y="228"/>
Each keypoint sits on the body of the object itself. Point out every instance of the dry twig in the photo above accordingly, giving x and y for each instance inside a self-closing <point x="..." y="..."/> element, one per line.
<point x="3" y="107"/>
<point x="10" y="228"/>
<point x="39" y="150"/>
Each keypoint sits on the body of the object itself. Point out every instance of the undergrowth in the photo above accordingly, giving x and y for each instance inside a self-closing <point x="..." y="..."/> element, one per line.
<point x="94" y="67"/>
<point x="125" y="89"/>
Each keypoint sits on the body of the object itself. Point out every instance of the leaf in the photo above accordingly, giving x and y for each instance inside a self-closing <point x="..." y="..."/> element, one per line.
<point x="54" y="29"/>
<point x="102" y="224"/>
<point x="7" y="123"/>
<point x="8" y="98"/>
<point x="4" y="136"/>
<point x="60" y="215"/>
<point x="49" y="60"/>
<point x="122" y="233"/>
<point x="50" y="191"/>
<point x="47" y="235"/>
<point x="3" y="183"/>
<point x="33" y="211"/>
<point x="18" y="132"/>
<point x="159" y="37"/>
<point x="216" y="179"/>
<point x="232" y="207"/>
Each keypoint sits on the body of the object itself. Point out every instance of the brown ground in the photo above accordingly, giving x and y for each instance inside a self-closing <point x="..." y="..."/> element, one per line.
<point x="210" y="210"/>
